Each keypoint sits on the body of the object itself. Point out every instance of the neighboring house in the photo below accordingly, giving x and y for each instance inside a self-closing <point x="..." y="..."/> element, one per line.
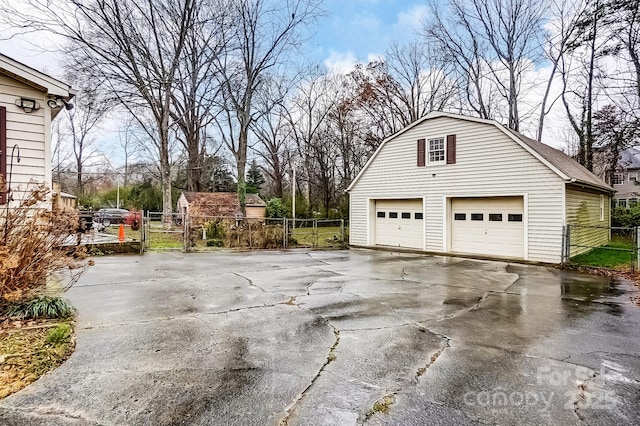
<point x="455" y="184"/>
<point x="61" y="200"/>
<point x="29" y="100"/>
<point x="220" y="204"/>
<point x="625" y="177"/>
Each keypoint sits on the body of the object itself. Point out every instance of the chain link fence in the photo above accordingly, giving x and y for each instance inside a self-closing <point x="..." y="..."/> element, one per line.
<point x="601" y="247"/>
<point x="163" y="231"/>
<point x="109" y="229"/>
<point x="193" y="233"/>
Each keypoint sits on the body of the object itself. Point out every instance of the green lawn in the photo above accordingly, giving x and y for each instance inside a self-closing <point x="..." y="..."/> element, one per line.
<point x="618" y="254"/>
<point x="325" y="236"/>
<point x="165" y="240"/>
<point x="128" y="232"/>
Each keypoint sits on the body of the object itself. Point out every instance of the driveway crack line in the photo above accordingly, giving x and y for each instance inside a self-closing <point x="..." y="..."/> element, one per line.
<point x="51" y="412"/>
<point x="289" y="410"/>
<point x="475" y="307"/>
<point x="583" y="396"/>
<point x="385" y="402"/>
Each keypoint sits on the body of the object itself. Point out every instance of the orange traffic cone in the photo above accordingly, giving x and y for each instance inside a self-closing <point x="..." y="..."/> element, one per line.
<point x="121" y="233"/>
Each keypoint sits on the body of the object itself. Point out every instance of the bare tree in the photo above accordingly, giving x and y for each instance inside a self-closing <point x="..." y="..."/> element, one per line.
<point x="624" y="23"/>
<point x="197" y="87"/>
<point x="452" y="32"/>
<point x="90" y="108"/>
<point x="264" y="32"/>
<point x="564" y="17"/>
<point x="411" y="81"/>
<point x="579" y="71"/>
<point x="498" y="40"/>
<point x="273" y="133"/>
<point x="133" y="47"/>
<point x="307" y="115"/>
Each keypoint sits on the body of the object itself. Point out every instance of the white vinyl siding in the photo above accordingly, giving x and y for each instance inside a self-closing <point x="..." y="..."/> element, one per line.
<point x="30" y="131"/>
<point x="489" y="164"/>
<point x="583" y="215"/>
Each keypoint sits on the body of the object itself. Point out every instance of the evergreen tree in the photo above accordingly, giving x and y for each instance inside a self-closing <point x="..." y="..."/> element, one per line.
<point x="255" y="180"/>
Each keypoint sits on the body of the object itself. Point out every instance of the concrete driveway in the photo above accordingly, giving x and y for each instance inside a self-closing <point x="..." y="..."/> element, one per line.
<point x="340" y="338"/>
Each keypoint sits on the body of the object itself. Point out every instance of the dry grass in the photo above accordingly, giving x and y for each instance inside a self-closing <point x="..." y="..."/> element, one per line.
<point x="30" y="349"/>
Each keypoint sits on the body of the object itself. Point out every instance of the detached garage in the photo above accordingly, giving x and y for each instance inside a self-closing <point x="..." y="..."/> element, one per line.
<point x="463" y="185"/>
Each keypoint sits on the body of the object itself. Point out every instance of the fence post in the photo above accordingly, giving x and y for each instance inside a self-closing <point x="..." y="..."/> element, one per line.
<point x="284" y="232"/>
<point x="637" y="248"/>
<point x="567" y="254"/>
<point x="342" y="231"/>
<point x="563" y="251"/>
<point x="142" y="231"/>
<point x="250" y="244"/>
<point x="315" y="233"/>
<point x="185" y="233"/>
<point x="148" y="230"/>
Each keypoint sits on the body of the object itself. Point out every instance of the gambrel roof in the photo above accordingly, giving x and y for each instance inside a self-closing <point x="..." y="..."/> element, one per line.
<point x="560" y="163"/>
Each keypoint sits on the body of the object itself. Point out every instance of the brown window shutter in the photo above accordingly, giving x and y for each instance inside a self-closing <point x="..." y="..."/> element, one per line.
<point x="421" y="152"/>
<point x="451" y="149"/>
<point x="3" y="154"/>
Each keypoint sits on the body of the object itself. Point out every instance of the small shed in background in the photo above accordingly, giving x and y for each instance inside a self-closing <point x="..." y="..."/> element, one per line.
<point x="220" y="204"/>
<point x="255" y="206"/>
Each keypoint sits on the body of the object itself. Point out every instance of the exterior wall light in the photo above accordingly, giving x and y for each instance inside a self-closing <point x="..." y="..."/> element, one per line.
<point x="28" y="105"/>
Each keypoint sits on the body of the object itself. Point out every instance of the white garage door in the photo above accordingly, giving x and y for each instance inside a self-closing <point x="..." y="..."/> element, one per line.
<point x="491" y="226"/>
<point x="399" y="223"/>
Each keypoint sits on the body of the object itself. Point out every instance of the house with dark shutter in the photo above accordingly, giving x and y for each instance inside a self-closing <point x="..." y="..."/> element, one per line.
<point x="29" y="101"/>
<point x="454" y="184"/>
<point x="625" y="177"/>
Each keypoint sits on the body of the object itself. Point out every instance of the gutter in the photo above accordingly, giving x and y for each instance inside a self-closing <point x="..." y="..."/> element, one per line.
<point x="591" y="186"/>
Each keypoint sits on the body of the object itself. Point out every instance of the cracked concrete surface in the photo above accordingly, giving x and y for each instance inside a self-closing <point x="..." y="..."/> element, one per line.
<point x="318" y="337"/>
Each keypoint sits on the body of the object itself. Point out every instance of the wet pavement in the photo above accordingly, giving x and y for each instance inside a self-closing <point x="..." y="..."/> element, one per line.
<point x="340" y="338"/>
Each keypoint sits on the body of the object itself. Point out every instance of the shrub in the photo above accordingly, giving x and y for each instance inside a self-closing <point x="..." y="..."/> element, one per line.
<point x="42" y="307"/>
<point x="257" y="235"/>
<point x="214" y="229"/>
<point x="627" y="218"/>
<point x="215" y="242"/>
<point x="59" y="334"/>
<point x="275" y="208"/>
<point x="35" y="242"/>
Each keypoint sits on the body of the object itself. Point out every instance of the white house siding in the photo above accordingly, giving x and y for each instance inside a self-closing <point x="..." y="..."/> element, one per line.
<point x="31" y="131"/>
<point x="489" y="163"/>
<point x="583" y="216"/>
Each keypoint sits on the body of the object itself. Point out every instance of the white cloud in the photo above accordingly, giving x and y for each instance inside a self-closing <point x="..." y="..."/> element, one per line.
<point x="340" y="62"/>
<point x="371" y="57"/>
<point x="412" y="18"/>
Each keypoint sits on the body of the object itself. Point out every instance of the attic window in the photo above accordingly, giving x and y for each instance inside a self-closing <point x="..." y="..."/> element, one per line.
<point x="436" y="150"/>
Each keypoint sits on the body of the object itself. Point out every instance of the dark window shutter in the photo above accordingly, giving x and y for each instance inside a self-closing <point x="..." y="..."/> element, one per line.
<point x="451" y="149"/>
<point x="421" y="152"/>
<point x="3" y="154"/>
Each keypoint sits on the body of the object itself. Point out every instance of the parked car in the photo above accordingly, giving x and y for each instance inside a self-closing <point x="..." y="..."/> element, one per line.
<point x="133" y="219"/>
<point x="107" y="217"/>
